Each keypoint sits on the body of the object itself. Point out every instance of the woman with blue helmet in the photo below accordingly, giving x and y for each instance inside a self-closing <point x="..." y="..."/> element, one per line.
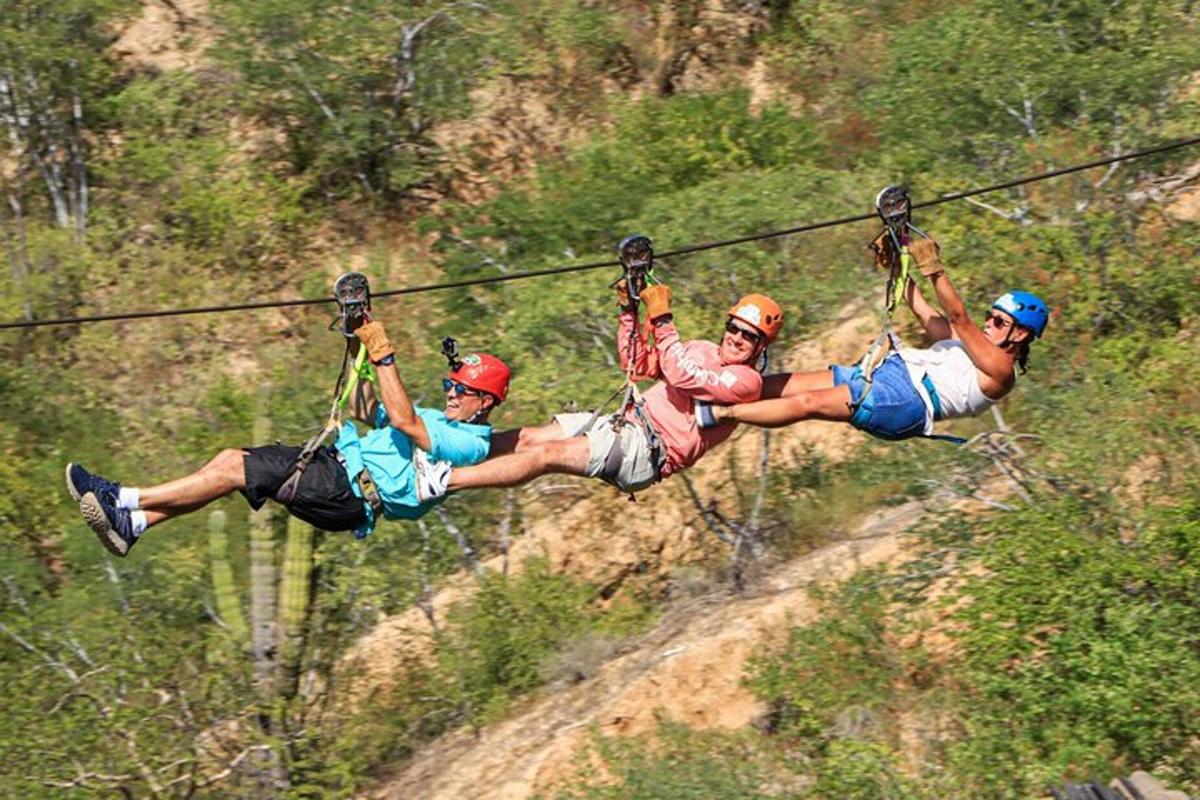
<point x="964" y="371"/>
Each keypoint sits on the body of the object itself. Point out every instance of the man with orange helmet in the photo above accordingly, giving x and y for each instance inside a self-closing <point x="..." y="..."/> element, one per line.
<point x="344" y="487"/>
<point x="654" y="439"/>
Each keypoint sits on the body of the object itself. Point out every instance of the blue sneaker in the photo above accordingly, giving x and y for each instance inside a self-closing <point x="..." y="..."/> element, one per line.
<point x="80" y="482"/>
<point x="113" y="525"/>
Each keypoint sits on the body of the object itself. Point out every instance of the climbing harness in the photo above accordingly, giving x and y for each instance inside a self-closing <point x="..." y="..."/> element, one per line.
<point x="352" y="292"/>
<point x="894" y="206"/>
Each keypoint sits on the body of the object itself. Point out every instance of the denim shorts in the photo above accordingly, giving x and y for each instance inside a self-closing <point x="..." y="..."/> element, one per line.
<point x="893" y="408"/>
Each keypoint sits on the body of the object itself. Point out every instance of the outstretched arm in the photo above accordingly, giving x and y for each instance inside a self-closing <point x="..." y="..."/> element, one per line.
<point x="995" y="365"/>
<point x="363" y="402"/>
<point x="936" y="325"/>
<point x="401" y="414"/>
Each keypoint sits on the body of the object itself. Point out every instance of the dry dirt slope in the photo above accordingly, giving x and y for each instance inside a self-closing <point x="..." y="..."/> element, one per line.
<point x="688" y="668"/>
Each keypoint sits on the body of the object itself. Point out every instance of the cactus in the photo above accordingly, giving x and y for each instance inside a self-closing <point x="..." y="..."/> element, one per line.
<point x="295" y="596"/>
<point x="229" y="603"/>
<point x="262" y="569"/>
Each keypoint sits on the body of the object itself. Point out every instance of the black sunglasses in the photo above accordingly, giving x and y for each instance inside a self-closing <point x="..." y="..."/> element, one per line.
<point x="753" y="337"/>
<point x="459" y="388"/>
<point x="997" y="320"/>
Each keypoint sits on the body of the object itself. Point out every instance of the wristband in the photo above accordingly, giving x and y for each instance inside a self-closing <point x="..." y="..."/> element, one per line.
<point x="386" y="361"/>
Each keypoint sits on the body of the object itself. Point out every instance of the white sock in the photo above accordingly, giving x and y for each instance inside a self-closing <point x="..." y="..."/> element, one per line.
<point x="138" y="518"/>
<point x="129" y="498"/>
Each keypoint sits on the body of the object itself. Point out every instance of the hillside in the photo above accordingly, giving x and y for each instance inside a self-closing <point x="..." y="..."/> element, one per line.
<point x="812" y="613"/>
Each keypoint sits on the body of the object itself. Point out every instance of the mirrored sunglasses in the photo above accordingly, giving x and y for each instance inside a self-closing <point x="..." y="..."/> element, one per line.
<point x="460" y="389"/>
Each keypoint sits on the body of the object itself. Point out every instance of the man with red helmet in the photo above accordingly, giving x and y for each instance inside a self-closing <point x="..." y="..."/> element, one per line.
<point x="344" y="487"/>
<point x="650" y="442"/>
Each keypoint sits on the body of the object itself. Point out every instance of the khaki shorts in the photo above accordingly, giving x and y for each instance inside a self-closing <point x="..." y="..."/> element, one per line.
<point x="636" y="469"/>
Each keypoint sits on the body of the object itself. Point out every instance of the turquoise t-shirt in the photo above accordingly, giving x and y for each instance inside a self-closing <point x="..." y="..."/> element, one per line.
<point x="387" y="454"/>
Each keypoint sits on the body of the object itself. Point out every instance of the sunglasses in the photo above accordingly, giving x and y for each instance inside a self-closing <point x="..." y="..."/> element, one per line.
<point x="753" y="337"/>
<point x="459" y="388"/>
<point x="996" y="320"/>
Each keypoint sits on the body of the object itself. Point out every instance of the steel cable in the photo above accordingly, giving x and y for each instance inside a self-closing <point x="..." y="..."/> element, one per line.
<point x="538" y="273"/>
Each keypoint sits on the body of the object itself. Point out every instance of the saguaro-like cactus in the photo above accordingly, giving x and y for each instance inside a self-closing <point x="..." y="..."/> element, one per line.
<point x="262" y="569"/>
<point x="278" y="622"/>
<point x="295" y="597"/>
<point x="229" y="603"/>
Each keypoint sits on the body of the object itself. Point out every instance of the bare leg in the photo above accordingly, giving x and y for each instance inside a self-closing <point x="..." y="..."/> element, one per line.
<point x="786" y="384"/>
<point x="568" y="456"/>
<point x="518" y="439"/>
<point x="224" y="474"/>
<point x="831" y="404"/>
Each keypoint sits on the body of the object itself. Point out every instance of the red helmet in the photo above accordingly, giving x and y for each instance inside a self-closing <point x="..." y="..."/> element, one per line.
<point x="484" y="373"/>
<point x="760" y="311"/>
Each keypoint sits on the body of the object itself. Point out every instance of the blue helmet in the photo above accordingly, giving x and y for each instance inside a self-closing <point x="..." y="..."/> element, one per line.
<point x="1027" y="309"/>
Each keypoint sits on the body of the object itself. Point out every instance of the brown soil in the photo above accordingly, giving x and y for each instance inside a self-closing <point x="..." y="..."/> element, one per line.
<point x="169" y="34"/>
<point x="689" y="668"/>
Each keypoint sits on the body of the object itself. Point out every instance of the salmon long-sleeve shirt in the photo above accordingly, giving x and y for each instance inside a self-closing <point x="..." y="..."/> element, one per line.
<point x="687" y="372"/>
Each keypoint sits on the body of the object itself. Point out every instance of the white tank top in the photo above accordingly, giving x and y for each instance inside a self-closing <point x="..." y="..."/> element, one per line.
<point x="954" y="378"/>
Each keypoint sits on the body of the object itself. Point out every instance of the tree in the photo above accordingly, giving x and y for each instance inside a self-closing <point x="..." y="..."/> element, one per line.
<point x="357" y="86"/>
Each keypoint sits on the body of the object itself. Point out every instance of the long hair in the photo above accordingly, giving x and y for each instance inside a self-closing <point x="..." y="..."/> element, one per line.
<point x="1023" y="356"/>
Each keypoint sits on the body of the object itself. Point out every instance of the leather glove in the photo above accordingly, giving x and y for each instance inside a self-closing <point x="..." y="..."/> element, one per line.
<point x="376" y="339"/>
<point x="658" y="301"/>
<point x="885" y="251"/>
<point x="927" y="254"/>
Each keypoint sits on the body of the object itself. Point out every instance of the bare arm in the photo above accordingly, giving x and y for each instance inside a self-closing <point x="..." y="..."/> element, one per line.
<point x="934" y="323"/>
<point x="401" y="414"/>
<point x="363" y="402"/>
<point x="995" y="365"/>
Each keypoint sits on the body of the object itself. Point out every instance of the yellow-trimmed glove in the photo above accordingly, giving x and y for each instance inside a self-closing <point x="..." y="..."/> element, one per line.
<point x="927" y="255"/>
<point x="373" y="335"/>
<point x="658" y="300"/>
<point x="885" y="251"/>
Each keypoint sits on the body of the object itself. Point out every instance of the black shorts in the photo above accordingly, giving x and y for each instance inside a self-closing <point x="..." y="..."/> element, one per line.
<point x="323" y="498"/>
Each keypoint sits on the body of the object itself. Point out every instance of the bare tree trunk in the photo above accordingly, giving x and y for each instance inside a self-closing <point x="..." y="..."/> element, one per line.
<point x="78" y="167"/>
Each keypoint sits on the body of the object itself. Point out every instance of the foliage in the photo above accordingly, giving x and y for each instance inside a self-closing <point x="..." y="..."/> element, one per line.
<point x="1075" y="639"/>
<point x="357" y="87"/>
<point x="503" y="635"/>
<point x="679" y="764"/>
<point x="992" y="79"/>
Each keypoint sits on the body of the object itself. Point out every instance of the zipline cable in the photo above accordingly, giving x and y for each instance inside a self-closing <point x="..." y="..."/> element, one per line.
<point x="682" y="251"/>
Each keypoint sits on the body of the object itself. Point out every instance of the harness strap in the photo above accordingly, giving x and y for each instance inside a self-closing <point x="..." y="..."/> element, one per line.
<point x="927" y="382"/>
<point x="341" y="396"/>
<point x="370" y="492"/>
<point x="876" y="354"/>
<point x="287" y="490"/>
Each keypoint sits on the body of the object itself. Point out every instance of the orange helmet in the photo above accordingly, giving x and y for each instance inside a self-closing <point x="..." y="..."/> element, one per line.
<point x="760" y="312"/>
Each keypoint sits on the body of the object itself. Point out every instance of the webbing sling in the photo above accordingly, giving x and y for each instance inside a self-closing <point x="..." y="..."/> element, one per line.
<point x="341" y="398"/>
